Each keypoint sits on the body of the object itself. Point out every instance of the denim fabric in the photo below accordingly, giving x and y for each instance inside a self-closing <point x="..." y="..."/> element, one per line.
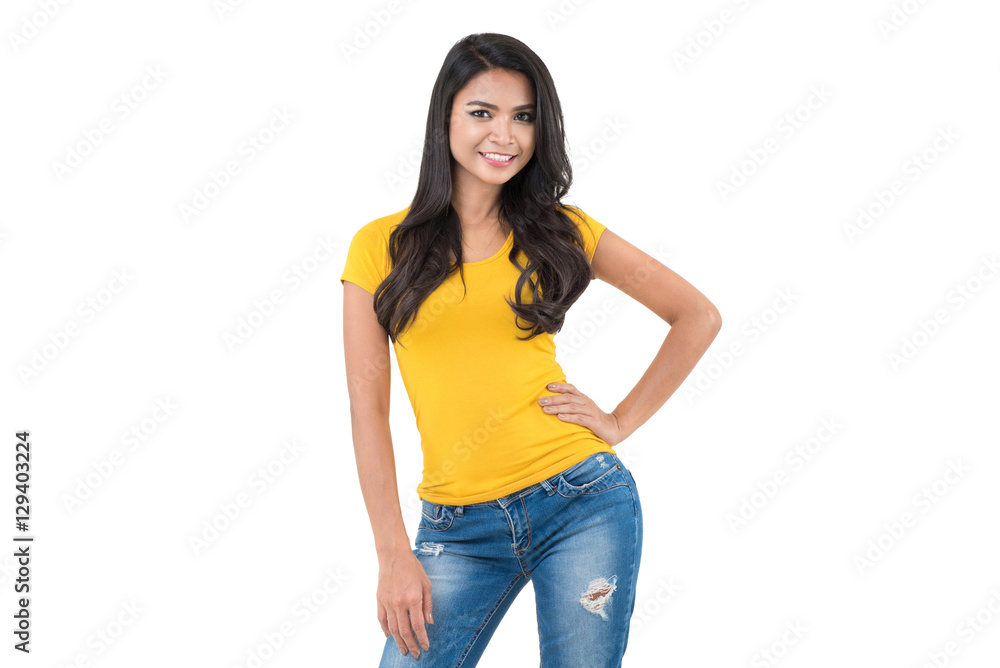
<point x="577" y="536"/>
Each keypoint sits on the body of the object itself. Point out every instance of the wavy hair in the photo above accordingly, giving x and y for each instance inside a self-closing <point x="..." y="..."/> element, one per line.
<point x="421" y="245"/>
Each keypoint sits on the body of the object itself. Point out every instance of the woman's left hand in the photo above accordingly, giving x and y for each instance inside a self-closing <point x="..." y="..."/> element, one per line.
<point x="572" y="405"/>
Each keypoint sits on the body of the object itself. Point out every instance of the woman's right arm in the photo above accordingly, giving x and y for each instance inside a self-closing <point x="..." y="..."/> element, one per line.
<point x="404" y="590"/>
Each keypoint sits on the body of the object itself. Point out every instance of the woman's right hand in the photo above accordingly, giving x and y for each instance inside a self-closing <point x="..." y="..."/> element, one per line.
<point x="404" y="599"/>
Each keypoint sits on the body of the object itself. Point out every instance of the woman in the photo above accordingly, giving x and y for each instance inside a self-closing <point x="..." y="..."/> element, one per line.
<point x="520" y="479"/>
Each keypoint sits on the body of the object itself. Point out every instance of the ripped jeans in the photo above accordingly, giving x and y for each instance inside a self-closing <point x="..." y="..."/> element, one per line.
<point x="577" y="536"/>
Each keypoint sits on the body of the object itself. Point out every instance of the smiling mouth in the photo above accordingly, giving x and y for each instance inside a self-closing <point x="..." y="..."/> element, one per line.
<point x="502" y="157"/>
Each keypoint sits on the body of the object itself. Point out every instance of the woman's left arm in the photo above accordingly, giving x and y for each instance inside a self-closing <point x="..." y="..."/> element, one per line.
<point x="694" y="323"/>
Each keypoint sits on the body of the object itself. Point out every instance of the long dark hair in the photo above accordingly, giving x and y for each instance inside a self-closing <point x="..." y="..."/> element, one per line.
<point x="419" y="246"/>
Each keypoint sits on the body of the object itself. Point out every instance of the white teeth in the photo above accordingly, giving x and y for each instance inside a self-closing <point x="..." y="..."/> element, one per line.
<point x="497" y="156"/>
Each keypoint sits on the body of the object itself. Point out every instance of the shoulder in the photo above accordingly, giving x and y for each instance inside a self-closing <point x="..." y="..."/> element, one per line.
<point x="582" y="220"/>
<point x="590" y="230"/>
<point x="571" y="210"/>
<point x="580" y="217"/>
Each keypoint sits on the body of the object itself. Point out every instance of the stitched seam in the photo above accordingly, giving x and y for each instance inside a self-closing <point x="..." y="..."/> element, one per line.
<point x="620" y="484"/>
<point x="635" y="563"/>
<point x="609" y="471"/>
<point x="513" y="543"/>
<point x="635" y="510"/>
<point x="527" y="521"/>
<point x="431" y="528"/>
<point x="475" y="636"/>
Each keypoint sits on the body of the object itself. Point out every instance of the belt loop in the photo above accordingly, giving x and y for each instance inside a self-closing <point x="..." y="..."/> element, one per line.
<point x="460" y="511"/>
<point x="547" y="486"/>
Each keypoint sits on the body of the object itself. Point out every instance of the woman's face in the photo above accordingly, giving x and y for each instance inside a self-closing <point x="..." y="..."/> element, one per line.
<point x="493" y="114"/>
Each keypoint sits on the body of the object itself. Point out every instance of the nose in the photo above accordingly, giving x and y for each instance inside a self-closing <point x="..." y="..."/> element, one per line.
<point x="502" y="130"/>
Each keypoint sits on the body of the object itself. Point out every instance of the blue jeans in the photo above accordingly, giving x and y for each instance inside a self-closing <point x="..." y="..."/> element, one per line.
<point x="577" y="536"/>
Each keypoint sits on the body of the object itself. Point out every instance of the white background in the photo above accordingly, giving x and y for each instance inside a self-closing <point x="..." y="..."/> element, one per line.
<point x="653" y="138"/>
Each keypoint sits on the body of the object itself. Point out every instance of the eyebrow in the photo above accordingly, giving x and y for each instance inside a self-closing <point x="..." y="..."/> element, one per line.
<point x="495" y="107"/>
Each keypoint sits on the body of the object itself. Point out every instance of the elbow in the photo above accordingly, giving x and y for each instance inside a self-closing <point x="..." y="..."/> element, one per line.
<point x="709" y="322"/>
<point x="703" y="323"/>
<point x="712" y="318"/>
<point x="705" y="317"/>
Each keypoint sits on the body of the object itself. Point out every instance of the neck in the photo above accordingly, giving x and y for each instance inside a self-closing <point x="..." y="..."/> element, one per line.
<point x="476" y="203"/>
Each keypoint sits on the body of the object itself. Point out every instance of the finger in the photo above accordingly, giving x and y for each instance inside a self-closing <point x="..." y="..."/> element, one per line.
<point x="550" y="406"/>
<point x="564" y="405"/>
<point x="394" y="630"/>
<point x="405" y="634"/>
<point x="383" y="620"/>
<point x="419" y="628"/>
<point x="573" y="416"/>
<point x="562" y="399"/>
<point x="428" y="605"/>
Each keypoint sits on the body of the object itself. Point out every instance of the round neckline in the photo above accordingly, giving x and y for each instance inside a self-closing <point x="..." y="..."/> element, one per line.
<point x="506" y="246"/>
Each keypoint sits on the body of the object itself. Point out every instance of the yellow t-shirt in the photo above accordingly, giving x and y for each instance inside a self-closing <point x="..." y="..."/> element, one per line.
<point x="474" y="387"/>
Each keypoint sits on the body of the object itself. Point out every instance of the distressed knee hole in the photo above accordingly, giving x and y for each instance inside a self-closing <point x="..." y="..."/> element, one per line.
<point x="433" y="549"/>
<point x="598" y="594"/>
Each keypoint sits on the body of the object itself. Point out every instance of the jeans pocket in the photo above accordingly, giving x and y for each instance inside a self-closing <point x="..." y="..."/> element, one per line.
<point x="597" y="473"/>
<point x="435" y="516"/>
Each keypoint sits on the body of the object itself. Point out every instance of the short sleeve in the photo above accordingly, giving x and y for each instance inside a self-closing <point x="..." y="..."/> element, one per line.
<point x="367" y="258"/>
<point x="590" y="230"/>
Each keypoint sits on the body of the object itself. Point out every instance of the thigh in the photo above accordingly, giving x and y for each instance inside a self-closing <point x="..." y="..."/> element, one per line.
<point x="474" y="578"/>
<point x="589" y="528"/>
